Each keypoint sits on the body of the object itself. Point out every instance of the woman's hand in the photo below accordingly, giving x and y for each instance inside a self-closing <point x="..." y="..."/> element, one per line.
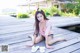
<point x="30" y="45"/>
<point x="33" y="41"/>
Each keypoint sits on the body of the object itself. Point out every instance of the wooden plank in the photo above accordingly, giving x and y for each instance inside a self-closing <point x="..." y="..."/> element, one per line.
<point x="55" y="33"/>
<point x="15" y="26"/>
<point x="61" y="22"/>
<point x="68" y="36"/>
<point x="12" y="39"/>
<point x="67" y="24"/>
<point x="25" y="22"/>
<point x="71" y="35"/>
<point x="19" y="45"/>
<point x="26" y="26"/>
<point x="56" y="46"/>
<point x="18" y="36"/>
<point x="15" y="39"/>
<point x="60" y="31"/>
<point x="13" y="21"/>
<point x="5" y="31"/>
<point x="76" y="51"/>
<point x="21" y="50"/>
<point x="68" y="49"/>
<point x="12" y="34"/>
<point x="15" y="33"/>
<point x="14" y="30"/>
<point x="63" y="45"/>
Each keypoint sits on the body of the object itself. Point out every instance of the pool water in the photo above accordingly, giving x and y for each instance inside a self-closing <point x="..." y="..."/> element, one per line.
<point x="73" y="28"/>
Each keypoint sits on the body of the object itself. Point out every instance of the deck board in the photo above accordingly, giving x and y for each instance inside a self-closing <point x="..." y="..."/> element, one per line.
<point x="68" y="49"/>
<point x="25" y="35"/>
<point x="56" y="47"/>
<point x="15" y="33"/>
<point x="76" y="51"/>
<point x="65" y="44"/>
<point x="68" y="37"/>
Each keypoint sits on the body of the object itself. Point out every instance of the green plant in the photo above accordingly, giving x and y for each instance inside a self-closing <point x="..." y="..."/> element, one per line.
<point x="73" y="7"/>
<point x="47" y="12"/>
<point x="51" y="11"/>
<point x="68" y="14"/>
<point x="22" y="15"/>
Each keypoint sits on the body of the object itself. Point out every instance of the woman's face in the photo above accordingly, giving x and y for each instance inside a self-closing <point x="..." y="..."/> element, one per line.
<point x="40" y="17"/>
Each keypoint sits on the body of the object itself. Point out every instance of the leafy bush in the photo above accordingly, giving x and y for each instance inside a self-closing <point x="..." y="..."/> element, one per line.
<point x="51" y="11"/>
<point x="21" y="15"/>
<point x="46" y="10"/>
<point x="68" y="14"/>
<point x="47" y="14"/>
<point x="73" y="8"/>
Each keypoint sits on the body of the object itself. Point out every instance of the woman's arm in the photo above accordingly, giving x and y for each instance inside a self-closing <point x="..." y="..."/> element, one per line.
<point x="33" y="39"/>
<point x="34" y="36"/>
<point x="47" y="31"/>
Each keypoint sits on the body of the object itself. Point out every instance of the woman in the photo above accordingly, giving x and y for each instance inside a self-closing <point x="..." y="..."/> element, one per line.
<point x="43" y="30"/>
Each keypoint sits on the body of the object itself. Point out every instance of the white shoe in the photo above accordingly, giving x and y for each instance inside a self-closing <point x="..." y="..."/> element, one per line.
<point x="34" y="48"/>
<point x="42" y="49"/>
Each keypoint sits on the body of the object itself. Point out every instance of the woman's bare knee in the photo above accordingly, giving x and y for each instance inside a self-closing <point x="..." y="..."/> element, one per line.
<point x="36" y="41"/>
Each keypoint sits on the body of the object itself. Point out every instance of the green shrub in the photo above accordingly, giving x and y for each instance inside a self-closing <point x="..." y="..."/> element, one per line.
<point x="46" y="11"/>
<point x="51" y="11"/>
<point x="22" y="15"/>
<point x="47" y="14"/>
<point x="68" y="14"/>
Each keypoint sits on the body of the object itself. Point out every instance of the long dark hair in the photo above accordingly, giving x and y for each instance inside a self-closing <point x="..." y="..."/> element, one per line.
<point x="37" y="21"/>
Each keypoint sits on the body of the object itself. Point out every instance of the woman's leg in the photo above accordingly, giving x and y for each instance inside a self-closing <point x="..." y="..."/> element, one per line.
<point x="38" y="39"/>
<point x="54" y="40"/>
<point x="47" y="40"/>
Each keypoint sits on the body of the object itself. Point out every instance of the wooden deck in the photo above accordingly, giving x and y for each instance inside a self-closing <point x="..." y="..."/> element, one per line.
<point x="14" y="32"/>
